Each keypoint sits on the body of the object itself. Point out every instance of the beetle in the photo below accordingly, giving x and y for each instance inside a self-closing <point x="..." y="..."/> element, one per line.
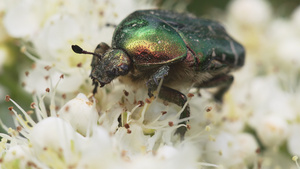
<point x="151" y="45"/>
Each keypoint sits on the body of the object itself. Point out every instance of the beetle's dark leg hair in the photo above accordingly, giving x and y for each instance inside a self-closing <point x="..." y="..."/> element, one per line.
<point x="174" y="96"/>
<point x="95" y="83"/>
<point x="223" y="82"/>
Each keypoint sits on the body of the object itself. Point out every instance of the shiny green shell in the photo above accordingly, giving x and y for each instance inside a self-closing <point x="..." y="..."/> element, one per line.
<point x="157" y="37"/>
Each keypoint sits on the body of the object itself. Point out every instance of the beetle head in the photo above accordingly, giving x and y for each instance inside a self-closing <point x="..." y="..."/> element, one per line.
<point x="114" y="63"/>
<point x="107" y="63"/>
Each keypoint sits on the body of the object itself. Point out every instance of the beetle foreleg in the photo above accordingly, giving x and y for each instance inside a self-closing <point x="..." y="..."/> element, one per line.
<point x="153" y="82"/>
<point x="95" y="83"/>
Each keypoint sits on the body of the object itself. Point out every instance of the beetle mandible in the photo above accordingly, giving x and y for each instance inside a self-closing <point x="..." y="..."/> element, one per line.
<point x="151" y="45"/>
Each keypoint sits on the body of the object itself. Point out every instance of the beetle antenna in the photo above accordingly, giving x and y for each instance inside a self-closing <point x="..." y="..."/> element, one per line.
<point x="79" y="50"/>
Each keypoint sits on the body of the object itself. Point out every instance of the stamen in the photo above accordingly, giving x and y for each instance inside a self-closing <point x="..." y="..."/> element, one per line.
<point x="21" y="121"/>
<point x="30" y="56"/>
<point x="52" y="96"/>
<point x="27" y="117"/>
<point x="295" y="158"/>
<point x="3" y="125"/>
<point x="5" y="136"/>
<point x="40" y="109"/>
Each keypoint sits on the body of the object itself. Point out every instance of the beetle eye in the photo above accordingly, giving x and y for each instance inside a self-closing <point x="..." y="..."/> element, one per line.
<point x="124" y="67"/>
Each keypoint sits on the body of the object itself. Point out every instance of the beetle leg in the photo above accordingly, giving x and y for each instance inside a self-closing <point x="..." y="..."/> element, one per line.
<point x="174" y="96"/>
<point x="95" y="83"/>
<point x="153" y="82"/>
<point x="169" y="94"/>
<point x="223" y="82"/>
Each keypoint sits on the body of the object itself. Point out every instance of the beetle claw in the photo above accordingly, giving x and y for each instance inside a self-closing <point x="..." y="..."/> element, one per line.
<point x="95" y="83"/>
<point x="101" y="84"/>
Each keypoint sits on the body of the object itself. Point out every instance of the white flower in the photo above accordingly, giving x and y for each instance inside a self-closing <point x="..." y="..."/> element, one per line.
<point x="39" y="78"/>
<point x="280" y="29"/>
<point x="294" y="140"/>
<point x="52" y="138"/>
<point x="134" y="140"/>
<point x="80" y="113"/>
<point x="272" y="131"/>
<point x="122" y="127"/>
<point x="271" y="109"/>
<point x="250" y="12"/>
<point x="267" y="98"/>
<point x="100" y="151"/>
<point x="28" y="20"/>
<point x="289" y="50"/>
<point x="231" y="150"/>
<point x="183" y="157"/>
<point x="276" y="159"/>
<point x="19" y="153"/>
<point x="3" y="33"/>
<point x="57" y="143"/>
<point x="248" y="147"/>
<point x="51" y="27"/>
<point x="296" y="18"/>
<point x="166" y="152"/>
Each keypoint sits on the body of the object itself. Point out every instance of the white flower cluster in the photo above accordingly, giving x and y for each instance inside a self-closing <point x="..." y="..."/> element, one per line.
<point x="265" y="95"/>
<point x="76" y="136"/>
<point x="122" y="127"/>
<point x="49" y="28"/>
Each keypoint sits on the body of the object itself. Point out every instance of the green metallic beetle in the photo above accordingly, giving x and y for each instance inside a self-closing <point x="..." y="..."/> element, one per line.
<point x="151" y="45"/>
